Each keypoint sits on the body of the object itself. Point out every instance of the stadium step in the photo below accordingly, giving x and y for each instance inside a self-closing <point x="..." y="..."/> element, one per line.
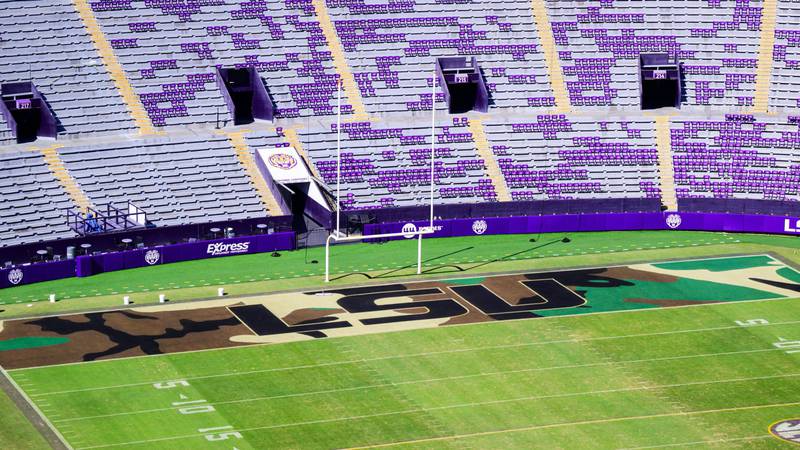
<point x="290" y="135"/>
<point x="129" y="96"/>
<point x="665" y="168"/>
<point x="242" y="150"/>
<point x="351" y="90"/>
<point x="492" y="168"/>
<point x="65" y="179"/>
<point x="766" y="46"/>
<point x="551" y="59"/>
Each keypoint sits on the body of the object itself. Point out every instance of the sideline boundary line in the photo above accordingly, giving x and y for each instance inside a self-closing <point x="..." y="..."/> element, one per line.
<point x="32" y="412"/>
<point x="411" y="355"/>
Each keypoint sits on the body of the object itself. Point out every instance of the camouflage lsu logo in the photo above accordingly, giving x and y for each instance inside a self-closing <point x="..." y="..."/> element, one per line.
<point x="479" y="227"/>
<point x="674" y="221"/>
<point x="15" y="276"/>
<point x="282" y="161"/>
<point x="787" y="430"/>
<point x="152" y="257"/>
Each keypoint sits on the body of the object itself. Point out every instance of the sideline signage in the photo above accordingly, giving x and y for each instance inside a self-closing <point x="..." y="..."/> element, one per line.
<point x="84" y="266"/>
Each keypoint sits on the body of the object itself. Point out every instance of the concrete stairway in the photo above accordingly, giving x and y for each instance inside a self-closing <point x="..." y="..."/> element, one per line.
<point x="548" y="43"/>
<point x="129" y="96"/>
<point x="291" y="136"/>
<point x="351" y="91"/>
<point x="60" y="172"/>
<point x="766" y="43"/>
<point x="248" y="163"/>
<point x="492" y="168"/>
<point x="665" y="168"/>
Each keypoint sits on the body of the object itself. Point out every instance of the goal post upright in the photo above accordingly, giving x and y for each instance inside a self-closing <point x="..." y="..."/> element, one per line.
<point x="336" y="234"/>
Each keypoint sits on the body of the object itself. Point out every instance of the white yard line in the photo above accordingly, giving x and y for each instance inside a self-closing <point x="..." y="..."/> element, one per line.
<point x="456" y="406"/>
<point x="423" y="354"/>
<point x="461" y="436"/>
<point x="586" y="422"/>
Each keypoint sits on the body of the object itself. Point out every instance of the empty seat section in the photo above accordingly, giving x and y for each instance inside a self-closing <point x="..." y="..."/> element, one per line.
<point x="599" y="45"/>
<point x="386" y="166"/>
<point x="392" y="46"/>
<point x="34" y="206"/>
<point x="176" y="181"/>
<point x="44" y="41"/>
<point x="737" y="157"/>
<point x="170" y="50"/>
<point x="556" y="157"/>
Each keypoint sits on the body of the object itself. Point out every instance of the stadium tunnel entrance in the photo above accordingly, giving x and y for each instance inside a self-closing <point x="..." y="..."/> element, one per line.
<point x="659" y="81"/>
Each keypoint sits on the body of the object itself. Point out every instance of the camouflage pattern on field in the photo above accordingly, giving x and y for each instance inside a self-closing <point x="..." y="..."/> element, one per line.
<point x="288" y="317"/>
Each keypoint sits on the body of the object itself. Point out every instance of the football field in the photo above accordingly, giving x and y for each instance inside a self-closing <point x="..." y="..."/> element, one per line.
<point x="709" y="375"/>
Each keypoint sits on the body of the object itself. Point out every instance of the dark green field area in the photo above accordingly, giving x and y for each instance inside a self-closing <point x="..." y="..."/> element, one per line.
<point x="360" y="263"/>
<point x="693" y="377"/>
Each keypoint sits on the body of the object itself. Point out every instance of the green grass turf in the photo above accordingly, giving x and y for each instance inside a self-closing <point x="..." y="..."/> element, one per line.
<point x="15" y="430"/>
<point x="258" y="273"/>
<point x="659" y="377"/>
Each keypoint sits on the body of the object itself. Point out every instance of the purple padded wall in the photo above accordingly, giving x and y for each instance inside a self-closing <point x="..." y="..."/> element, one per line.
<point x="150" y="237"/>
<point x="600" y="222"/>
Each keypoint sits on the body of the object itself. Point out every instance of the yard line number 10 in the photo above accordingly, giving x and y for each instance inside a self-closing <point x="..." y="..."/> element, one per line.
<point x="211" y="434"/>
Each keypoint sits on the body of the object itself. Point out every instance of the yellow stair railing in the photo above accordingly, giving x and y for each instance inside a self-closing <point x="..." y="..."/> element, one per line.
<point x="492" y="168"/>
<point x="248" y="163"/>
<point x="291" y="136"/>
<point x="129" y="96"/>
<point x="551" y="59"/>
<point x="665" y="167"/>
<point x="62" y="175"/>
<point x="349" y="84"/>
<point x="766" y="44"/>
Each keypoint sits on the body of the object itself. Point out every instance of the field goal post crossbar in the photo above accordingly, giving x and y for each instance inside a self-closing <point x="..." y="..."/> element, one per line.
<point x="336" y="234"/>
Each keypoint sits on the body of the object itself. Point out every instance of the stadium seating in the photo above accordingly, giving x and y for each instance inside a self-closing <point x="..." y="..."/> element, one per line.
<point x="176" y="180"/>
<point x="34" y="206"/>
<point x="556" y="157"/>
<point x="390" y="47"/>
<point x="44" y="41"/>
<point x="599" y="45"/>
<point x="170" y="49"/>
<point x="386" y="166"/>
<point x="785" y="90"/>
<point x="738" y="156"/>
<point x="6" y="136"/>
<point x="603" y="148"/>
